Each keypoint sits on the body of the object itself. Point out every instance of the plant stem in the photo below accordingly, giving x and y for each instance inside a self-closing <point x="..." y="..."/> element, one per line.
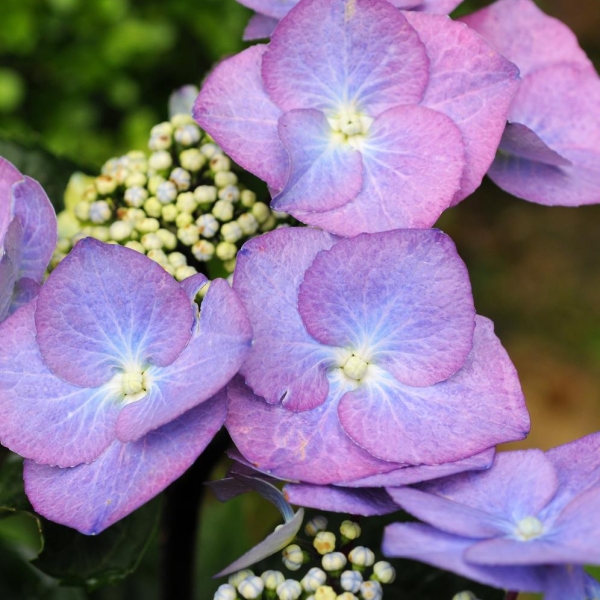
<point x="181" y="516"/>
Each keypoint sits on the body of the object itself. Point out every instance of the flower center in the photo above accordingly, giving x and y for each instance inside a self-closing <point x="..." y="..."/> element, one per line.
<point x="529" y="528"/>
<point x="349" y="127"/>
<point x="134" y="384"/>
<point x="355" y="367"/>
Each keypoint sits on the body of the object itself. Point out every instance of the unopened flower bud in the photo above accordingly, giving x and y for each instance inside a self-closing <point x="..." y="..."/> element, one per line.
<point x="219" y="162"/>
<point x="248" y="223"/>
<point x="203" y="250"/>
<point x="187" y="135"/>
<point x="350" y="530"/>
<point x="466" y="595"/>
<point x="166" y="192"/>
<point x="313" y="579"/>
<point x="120" y="230"/>
<point x="101" y="233"/>
<point x="269" y="224"/>
<point x="351" y="581"/>
<point x="154" y="182"/>
<point x="383" y="572"/>
<point x="121" y="175"/>
<point x="346" y="596"/>
<point x="169" y="213"/>
<point x="247" y="198"/>
<point x="236" y="578"/>
<point x="293" y="557"/>
<point x="223" y="210"/>
<point x="324" y="542"/>
<point x="205" y="194"/>
<point x="109" y="166"/>
<point x="138" y="163"/>
<point x="186" y="202"/>
<point x="158" y="256"/>
<point x="334" y="561"/>
<point x="207" y="225"/>
<point x="168" y="239"/>
<point x="183" y="219"/>
<point x="289" y="590"/>
<point x="177" y="259"/>
<point x="192" y="160"/>
<point x="135" y="246"/>
<point x="316" y="524"/>
<point x="230" y="265"/>
<point x="209" y="150"/>
<point x="371" y="590"/>
<point x="99" y="212"/>
<point x="105" y="185"/>
<point x="136" y="179"/>
<point x="133" y="215"/>
<point x="147" y="225"/>
<point x="224" y="178"/>
<point x="272" y="579"/>
<point x="160" y="160"/>
<point x="325" y="592"/>
<point x="361" y="556"/>
<point x="164" y="128"/>
<point x="181" y="178"/>
<point x="151" y="241"/>
<point x="188" y="235"/>
<point x="251" y="587"/>
<point x="225" y="592"/>
<point x="153" y="207"/>
<point x="136" y="196"/>
<point x="229" y="193"/>
<point x="232" y="232"/>
<point x="226" y="250"/>
<point x="159" y="143"/>
<point x="261" y="212"/>
<point x="180" y="119"/>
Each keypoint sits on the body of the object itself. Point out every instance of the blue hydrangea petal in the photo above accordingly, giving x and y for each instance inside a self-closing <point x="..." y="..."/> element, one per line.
<point x="193" y="284"/>
<point x="105" y="307"/>
<point x="520" y="141"/>
<point x="92" y="497"/>
<point x="9" y="175"/>
<point x="259" y="27"/>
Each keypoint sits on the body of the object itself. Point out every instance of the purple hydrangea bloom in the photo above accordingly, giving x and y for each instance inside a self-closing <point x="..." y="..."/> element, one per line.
<point x="269" y="12"/>
<point x="362" y="118"/>
<point x="550" y="150"/>
<point x="27" y="237"/>
<point x="367" y="357"/>
<point x="521" y="525"/>
<point x="111" y="372"/>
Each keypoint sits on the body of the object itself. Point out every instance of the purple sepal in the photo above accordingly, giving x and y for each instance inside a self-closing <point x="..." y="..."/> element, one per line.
<point x="259" y="27"/>
<point x="181" y="101"/>
<point x="193" y="284"/>
<point x="92" y="497"/>
<point x="522" y="142"/>
<point x="9" y="175"/>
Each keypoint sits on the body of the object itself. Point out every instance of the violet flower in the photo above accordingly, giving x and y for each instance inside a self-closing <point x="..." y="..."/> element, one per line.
<point x="367" y="357"/>
<point x="521" y="525"/>
<point x="550" y="150"/>
<point x="362" y="118"/>
<point x="110" y="372"/>
<point x="269" y="12"/>
<point x="27" y="237"/>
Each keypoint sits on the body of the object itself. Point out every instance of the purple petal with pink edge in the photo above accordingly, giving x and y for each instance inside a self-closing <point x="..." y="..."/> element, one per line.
<point x="413" y="159"/>
<point x="471" y="84"/>
<point x="25" y="291"/>
<point x="401" y="298"/>
<point x="272" y="8"/>
<point x="259" y="27"/>
<point x="106" y="306"/>
<point x="41" y="416"/>
<point x="354" y="54"/>
<point x="442" y="7"/>
<point x="91" y="497"/>
<point x="193" y="284"/>
<point x="364" y="502"/>
<point x="8" y="279"/>
<point x="285" y="362"/>
<point x="409" y="475"/>
<point x="276" y="541"/>
<point x="519" y="30"/>
<point x="323" y="174"/>
<point x="209" y="361"/>
<point x="33" y="208"/>
<point x="519" y="140"/>
<point x="480" y="406"/>
<point x="9" y="175"/>
<point x="305" y="446"/>
<point x="244" y="125"/>
<point x="450" y="516"/>
<point x="443" y="550"/>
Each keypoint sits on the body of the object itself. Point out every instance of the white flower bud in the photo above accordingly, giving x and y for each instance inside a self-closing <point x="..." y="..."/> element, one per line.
<point x="361" y="556"/>
<point x="133" y="215"/>
<point x="168" y="239"/>
<point x="207" y="225"/>
<point x="346" y="596"/>
<point x="225" y="592"/>
<point x="181" y="178"/>
<point x="209" y="150"/>
<point x="236" y="578"/>
<point x="166" y="192"/>
<point x="120" y="230"/>
<point x="316" y="524"/>
<point x="334" y="561"/>
<point x="279" y="215"/>
<point x="232" y="232"/>
<point x="261" y="211"/>
<point x="90" y="194"/>
<point x="184" y="272"/>
<point x="160" y="160"/>
<point x="248" y="198"/>
<point x="120" y="175"/>
<point x="313" y="579"/>
<point x="192" y="159"/>
<point x="153" y="208"/>
<point x="205" y="194"/>
<point x="186" y="202"/>
<point x="203" y="250"/>
<point x="105" y="185"/>
<point x="110" y="166"/>
<point x="181" y="119"/>
<point x="350" y="530"/>
<point x="351" y="581"/>
<point x="248" y="223"/>
<point x="136" y="179"/>
<point x="219" y="162"/>
<point x="272" y="579"/>
<point x="251" y="587"/>
<point x="158" y="256"/>
<point x="226" y="250"/>
<point x="151" y="241"/>
<point x="177" y="259"/>
<point x="223" y="210"/>
<point x="135" y="246"/>
<point x="223" y="178"/>
<point x="293" y="557"/>
<point x="147" y="225"/>
<point x="99" y="212"/>
<point x="184" y="219"/>
<point x="138" y="163"/>
<point x="371" y="590"/>
<point x="101" y="233"/>
<point x="187" y="135"/>
<point x="188" y="235"/>
<point x="289" y="590"/>
<point x="169" y="213"/>
<point x="384" y="572"/>
<point x="466" y="595"/>
<point x="136" y="196"/>
<point x="154" y="182"/>
<point x="269" y="224"/>
<point x="229" y="193"/>
<point x="159" y="143"/>
<point x="164" y="128"/>
<point x="324" y="542"/>
<point x="325" y="592"/>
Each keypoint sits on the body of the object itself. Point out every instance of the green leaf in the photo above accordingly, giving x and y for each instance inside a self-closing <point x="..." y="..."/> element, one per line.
<point x="94" y="561"/>
<point x="12" y="492"/>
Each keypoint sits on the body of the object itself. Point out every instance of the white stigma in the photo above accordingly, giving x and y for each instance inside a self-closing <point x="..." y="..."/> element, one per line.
<point x="355" y="367"/>
<point x="134" y="384"/>
<point x="529" y="528"/>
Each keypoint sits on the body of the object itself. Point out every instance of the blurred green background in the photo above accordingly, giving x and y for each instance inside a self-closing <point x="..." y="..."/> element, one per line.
<point x="88" y="78"/>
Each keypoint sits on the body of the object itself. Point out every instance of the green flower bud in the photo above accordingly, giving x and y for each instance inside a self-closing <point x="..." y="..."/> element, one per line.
<point x="251" y="587"/>
<point x="232" y="232"/>
<point x="135" y="196"/>
<point x="169" y="213"/>
<point x="247" y="198"/>
<point x="154" y="182"/>
<point x="324" y="542"/>
<point x="168" y="239"/>
<point x="138" y="163"/>
<point x="159" y="143"/>
<point x="120" y="175"/>
<point x="182" y="273"/>
<point x="181" y="178"/>
<point x="135" y="246"/>
<point x="184" y="219"/>
<point x="120" y="231"/>
<point x="466" y="595"/>
<point x="225" y="592"/>
<point x="316" y="524"/>
<point x="151" y="241"/>
<point x="334" y="561"/>
<point x="209" y="150"/>
<point x="181" y="119"/>
<point x="110" y="166"/>
<point x="186" y="202"/>
<point x="192" y="160"/>
<point x="219" y="162"/>
<point x="164" y="128"/>
<point x="136" y="179"/>
<point x="158" y="256"/>
<point x="269" y="224"/>
<point x="272" y="579"/>
<point x="293" y="557"/>
<point x="160" y="160"/>
<point x="177" y="259"/>
<point x="346" y="596"/>
<point x="101" y="233"/>
<point x="166" y="192"/>
<point x="248" y="223"/>
<point x="223" y="210"/>
<point x="147" y="225"/>
<point x="188" y="235"/>
<point x="361" y="556"/>
<point x="383" y="572"/>
<point x="229" y="193"/>
<point x="207" y="225"/>
<point x="99" y="211"/>
<point x="224" y="178"/>
<point x="133" y="215"/>
<point x="225" y="250"/>
<point x="153" y="207"/>
<point x="203" y="250"/>
<point x="63" y="245"/>
<point x="313" y="579"/>
<point x="350" y="530"/>
<point x="325" y="592"/>
<point x="289" y="590"/>
<point x="236" y="578"/>
<point x="261" y="212"/>
<point x="230" y="266"/>
<point x="205" y="194"/>
<point x="105" y="185"/>
<point x="187" y="135"/>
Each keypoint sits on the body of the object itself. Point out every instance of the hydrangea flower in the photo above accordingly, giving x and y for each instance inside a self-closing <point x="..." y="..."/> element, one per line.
<point x="550" y="150"/>
<point x="269" y="12"/>
<point x="521" y="525"/>
<point x="367" y="357"/>
<point x="362" y="118"/>
<point x="110" y="372"/>
<point x="27" y="237"/>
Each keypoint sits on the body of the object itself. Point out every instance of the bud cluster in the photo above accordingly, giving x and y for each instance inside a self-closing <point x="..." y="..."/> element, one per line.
<point x="181" y="205"/>
<point x="345" y="572"/>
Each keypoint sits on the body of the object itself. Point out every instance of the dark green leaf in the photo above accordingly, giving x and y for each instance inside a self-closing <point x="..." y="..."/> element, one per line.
<point x="12" y="492"/>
